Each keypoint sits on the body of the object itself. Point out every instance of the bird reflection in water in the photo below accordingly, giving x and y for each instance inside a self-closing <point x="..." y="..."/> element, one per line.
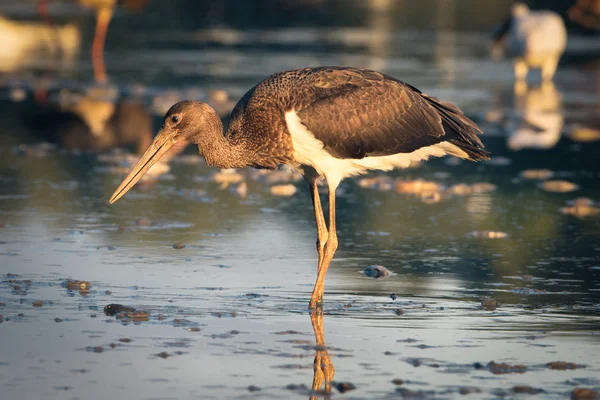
<point x="537" y="119"/>
<point x="323" y="367"/>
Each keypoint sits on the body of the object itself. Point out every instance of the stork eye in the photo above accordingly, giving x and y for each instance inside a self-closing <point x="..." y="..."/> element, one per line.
<point x="175" y="119"/>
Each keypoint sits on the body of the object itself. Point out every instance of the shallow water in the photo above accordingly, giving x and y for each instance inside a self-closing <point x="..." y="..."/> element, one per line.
<point x="225" y="280"/>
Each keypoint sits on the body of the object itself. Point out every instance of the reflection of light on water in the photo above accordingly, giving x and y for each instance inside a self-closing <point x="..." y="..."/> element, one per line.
<point x="538" y="119"/>
<point x="445" y="44"/>
<point x="479" y="205"/>
<point x="380" y="22"/>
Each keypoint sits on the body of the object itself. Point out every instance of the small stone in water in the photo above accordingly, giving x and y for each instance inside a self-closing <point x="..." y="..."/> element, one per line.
<point x="393" y="296"/>
<point x="125" y="340"/>
<point x="503" y="368"/>
<point x="376" y="271"/>
<point x="399" y="311"/>
<point x="558" y="186"/>
<point x="253" y="388"/>
<point x="469" y="390"/>
<point x="584" y="393"/>
<point x="178" y="246"/>
<point x="397" y="382"/>
<point x="38" y="303"/>
<point x="527" y="389"/>
<point x="344" y="387"/>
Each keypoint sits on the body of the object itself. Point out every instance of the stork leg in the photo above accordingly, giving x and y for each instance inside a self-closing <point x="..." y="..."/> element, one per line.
<point x="102" y="21"/>
<point x="549" y="68"/>
<point x="521" y="69"/>
<point x="316" y="299"/>
<point x="323" y="367"/>
<point x="319" y="217"/>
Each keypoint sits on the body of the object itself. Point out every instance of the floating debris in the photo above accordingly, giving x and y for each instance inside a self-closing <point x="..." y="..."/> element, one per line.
<point x="283" y="190"/>
<point x="95" y="349"/>
<point x="113" y="309"/>
<point x="487" y="235"/>
<point x="489" y="304"/>
<point x="527" y="389"/>
<point x="82" y="286"/>
<point x="562" y="365"/>
<point x="397" y="382"/>
<point x="178" y="246"/>
<point x="536" y="174"/>
<point x="376" y="272"/>
<point x="584" y="394"/>
<point x="393" y="296"/>
<point x="469" y="390"/>
<point x="558" y="186"/>
<point x="504" y="368"/>
<point x="253" y="388"/>
<point x="38" y="303"/>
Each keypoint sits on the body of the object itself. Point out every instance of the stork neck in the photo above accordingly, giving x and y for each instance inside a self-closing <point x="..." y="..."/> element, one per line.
<point x="218" y="150"/>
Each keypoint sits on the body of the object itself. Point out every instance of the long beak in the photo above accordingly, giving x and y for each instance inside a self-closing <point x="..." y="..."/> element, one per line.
<point x="161" y="144"/>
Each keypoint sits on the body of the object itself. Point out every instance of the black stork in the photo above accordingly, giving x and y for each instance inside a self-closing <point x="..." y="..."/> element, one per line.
<point x="328" y="123"/>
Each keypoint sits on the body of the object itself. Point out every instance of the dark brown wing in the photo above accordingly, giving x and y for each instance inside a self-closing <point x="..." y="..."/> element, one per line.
<point x="358" y="113"/>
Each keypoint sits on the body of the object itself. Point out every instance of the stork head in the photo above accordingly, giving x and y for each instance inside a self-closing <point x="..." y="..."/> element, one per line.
<point x="519" y="9"/>
<point x="184" y="123"/>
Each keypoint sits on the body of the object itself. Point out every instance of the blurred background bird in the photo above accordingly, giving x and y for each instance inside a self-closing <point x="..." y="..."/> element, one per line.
<point x="104" y="12"/>
<point x="534" y="39"/>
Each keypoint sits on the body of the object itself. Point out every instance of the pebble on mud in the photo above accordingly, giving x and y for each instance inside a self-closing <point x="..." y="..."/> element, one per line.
<point x="487" y="235"/>
<point x="561" y="365"/>
<point x="469" y="390"/>
<point x="489" y="304"/>
<point x="503" y="368"/>
<point x="113" y="309"/>
<point x="283" y="190"/>
<point x="344" y="387"/>
<point x="584" y="393"/>
<point x="558" y="186"/>
<point x="95" y="349"/>
<point x="526" y="389"/>
<point x="81" y="286"/>
<point x="178" y="246"/>
<point x="376" y="271"/>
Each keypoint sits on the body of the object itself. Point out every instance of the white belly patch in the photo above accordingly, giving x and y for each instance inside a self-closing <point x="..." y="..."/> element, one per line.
<point x="308" y="150"/>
